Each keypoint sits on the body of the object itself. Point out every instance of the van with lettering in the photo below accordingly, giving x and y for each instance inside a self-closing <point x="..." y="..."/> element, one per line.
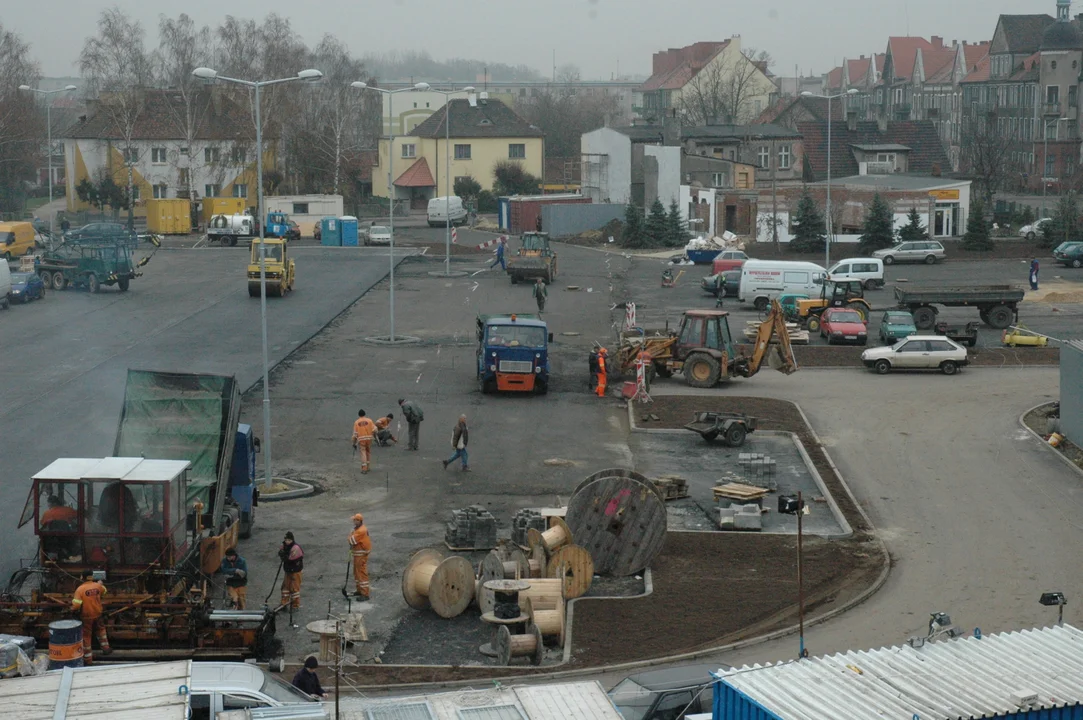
<point x="764" y="280"/>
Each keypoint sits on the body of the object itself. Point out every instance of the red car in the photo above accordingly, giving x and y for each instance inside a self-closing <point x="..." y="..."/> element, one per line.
<point x="843" y="325"/>
<point x="728" y="260"/>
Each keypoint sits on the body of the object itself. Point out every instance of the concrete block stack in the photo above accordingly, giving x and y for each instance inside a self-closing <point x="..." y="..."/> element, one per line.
<point x="472" y="528"/>
<point x="758" y="468"/>
<point x="740" y="517"/>
<point x="522" y="521"/>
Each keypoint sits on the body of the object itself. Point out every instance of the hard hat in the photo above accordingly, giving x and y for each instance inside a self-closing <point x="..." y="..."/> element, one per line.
<point x="358" y="518"/>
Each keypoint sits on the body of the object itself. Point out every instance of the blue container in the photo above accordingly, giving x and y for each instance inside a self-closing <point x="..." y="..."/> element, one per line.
<point x="702" y="257"/>
<point x="348" y="223"/>
<point x="65" y="644"/>
<point x="330" y="231"/>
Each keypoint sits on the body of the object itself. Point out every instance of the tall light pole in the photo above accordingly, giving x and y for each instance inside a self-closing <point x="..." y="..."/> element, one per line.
<point x="830" y="228"/>
<point x="209" y="75"/>
<point x="358" y="85"/>
<point x="49" y="130"/>
<point x="447" y="170"/>
<point x="1045" y="154"/>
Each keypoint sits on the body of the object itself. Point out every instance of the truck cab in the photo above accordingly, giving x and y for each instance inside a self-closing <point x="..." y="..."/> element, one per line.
<point x="513" y="353"/>
<point x="279" y="225"/>
<point x="242" y="477"/>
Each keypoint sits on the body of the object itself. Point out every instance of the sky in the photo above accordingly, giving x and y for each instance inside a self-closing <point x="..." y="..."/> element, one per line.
<point x="604" y="38"/>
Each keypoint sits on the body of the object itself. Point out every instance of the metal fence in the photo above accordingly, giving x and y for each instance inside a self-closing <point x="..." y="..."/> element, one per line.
<point x="564" y="220"/>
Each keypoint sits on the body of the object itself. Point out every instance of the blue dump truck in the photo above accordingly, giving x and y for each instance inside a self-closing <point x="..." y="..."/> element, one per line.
<point x="513" y="353"/>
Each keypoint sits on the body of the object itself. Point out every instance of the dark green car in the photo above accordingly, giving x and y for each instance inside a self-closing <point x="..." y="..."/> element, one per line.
<point x="895" y="325"/>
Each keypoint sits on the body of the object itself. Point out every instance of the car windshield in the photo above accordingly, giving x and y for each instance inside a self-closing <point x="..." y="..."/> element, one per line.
<point x="21" y="278"/>
<point x="379" y="230"/>
<point x="517" y="335"/>
<point x="898" y="319"/>
<point x="844" y="317"/>
<point x="632" y="699"/>
<point x="274" y="252"/>
<point x="282" y="691"/>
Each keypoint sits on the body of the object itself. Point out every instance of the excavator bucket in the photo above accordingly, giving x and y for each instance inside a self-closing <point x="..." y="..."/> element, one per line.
<point x="779" y="354"/>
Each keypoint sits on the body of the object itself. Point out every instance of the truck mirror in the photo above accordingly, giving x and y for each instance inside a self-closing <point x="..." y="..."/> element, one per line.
<point x="550" y="337"/>
<point x="255" y="443"/>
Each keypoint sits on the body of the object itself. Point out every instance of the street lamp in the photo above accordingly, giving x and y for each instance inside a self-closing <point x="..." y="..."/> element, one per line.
<point x="209" y="75"/>
<point x="358" y="85"/>
<point x="49" y="130"/>
<point x="830" y="229"/>
<point x="1045" y="154"/>
<point x="447" y="170"/>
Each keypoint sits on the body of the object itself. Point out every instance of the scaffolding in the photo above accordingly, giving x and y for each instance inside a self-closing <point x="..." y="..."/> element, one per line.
<point x="594" y="176"/>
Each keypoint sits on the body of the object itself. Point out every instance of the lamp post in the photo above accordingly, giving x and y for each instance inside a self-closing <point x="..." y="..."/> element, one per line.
<point x="830" y="228"/>
<point x="49" y="131"/>
<point x="358" y="85"/>
<point x="209" y="75"/>
<point x="1045" y="154"/>
<point x="447" y="171"/>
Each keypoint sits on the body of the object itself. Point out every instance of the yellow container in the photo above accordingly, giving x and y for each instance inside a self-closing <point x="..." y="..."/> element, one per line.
<point x="169" y="216"/>
<point x="221" y="206"/>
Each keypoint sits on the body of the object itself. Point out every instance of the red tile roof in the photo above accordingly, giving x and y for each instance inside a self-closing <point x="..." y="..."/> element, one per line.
<point x="939" y="64"/>
<point x="920" y="136"/>
<point x="789" y="111"/>
<point x="417" y="175"/>
<point x="904" y="51"/>
<point x="974" y="52"/>
<point x="834" y="78"/>
<point x="979" y="71"/>
<point x="673" y="68"/>
<point x="1030" y="71"/>
<point x="858" y="69"/>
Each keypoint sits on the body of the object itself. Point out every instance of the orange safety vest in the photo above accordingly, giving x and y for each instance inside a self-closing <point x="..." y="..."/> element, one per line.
<point x="88" y="599"/>
<point x="360" y="542"/>
<point x="382" y="423"/>
<point x="62" y="513"/>
<point x="363" y="429"/>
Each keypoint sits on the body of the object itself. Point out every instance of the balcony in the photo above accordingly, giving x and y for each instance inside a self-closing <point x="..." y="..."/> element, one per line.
<point x="1051" y="109"/>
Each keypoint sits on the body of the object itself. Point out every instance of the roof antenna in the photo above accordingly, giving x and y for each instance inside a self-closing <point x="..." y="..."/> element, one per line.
<point x="906" y="9"/>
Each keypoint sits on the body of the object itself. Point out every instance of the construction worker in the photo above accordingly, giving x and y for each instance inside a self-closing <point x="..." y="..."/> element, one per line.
<point x="383" y="430"/>
<point x="499" y="255"/>
<point x="293" y="563"/>
<point x="364" y="430"/>
<point x="540" y="293"/>
<point x="235" y="569"/>
<point x="414" y="415"/>
<point x="307" y="681"/>
<point x="360" y="547"/>
<point x="599" y="388"/>
<point x="87" y="604"/>
<point x="58" y="512"/>
<point x="460" y="437"/>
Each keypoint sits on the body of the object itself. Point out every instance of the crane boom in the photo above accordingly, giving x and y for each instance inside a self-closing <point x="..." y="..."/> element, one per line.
<point x="778" y="356"/>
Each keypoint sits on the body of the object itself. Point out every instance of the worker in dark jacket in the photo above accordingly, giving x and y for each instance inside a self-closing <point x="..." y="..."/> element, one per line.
<point x="307" y="681"/>
<point x="293" y="565"/>
<point x="235" y="569"/>
<point x="414" y="415"/>
<point x="460" y="436"/>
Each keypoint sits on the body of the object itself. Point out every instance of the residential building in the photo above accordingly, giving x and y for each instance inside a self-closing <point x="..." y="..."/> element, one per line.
<point x="862" y="75"/>
<point x="483" y="132"/>
<point x="219" y="160"/>
<point x="861" y="147"/>
<point x="401" y="112"/>
<point x="789" y="112"/>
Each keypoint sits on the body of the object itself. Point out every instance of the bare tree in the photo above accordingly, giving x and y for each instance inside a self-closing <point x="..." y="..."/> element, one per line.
<point x="564" y="112"/>
<point x="990" y="150"/>
<point x="22" y="128"/>
<point x="725" y="89"/>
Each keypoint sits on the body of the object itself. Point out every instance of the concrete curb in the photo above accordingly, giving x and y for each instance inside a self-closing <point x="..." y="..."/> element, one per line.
<point x="303" y="490"/>
<point x="648" y="588"/>
<point x="1042" y="442"/>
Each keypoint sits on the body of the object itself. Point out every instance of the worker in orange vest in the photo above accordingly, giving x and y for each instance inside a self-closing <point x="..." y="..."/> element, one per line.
<point x="58" y="512"/>
<point x="603" y="355"/>
<point x="363" y="432"/>
<point x="87" y="604"/>
<point x="360" y="547"/>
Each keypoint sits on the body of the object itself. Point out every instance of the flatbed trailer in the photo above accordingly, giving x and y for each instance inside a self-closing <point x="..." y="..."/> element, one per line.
<point x="997" y="304"/>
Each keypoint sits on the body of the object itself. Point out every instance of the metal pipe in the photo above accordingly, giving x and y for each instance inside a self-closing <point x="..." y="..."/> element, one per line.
<point x="267" y="481"/>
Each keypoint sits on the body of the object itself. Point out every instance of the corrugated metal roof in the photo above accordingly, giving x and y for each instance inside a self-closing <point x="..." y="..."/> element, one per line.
<point x="497" y="712"/>
<point x="564" y="701"/>
<point x="953" y="679"/>
<point x="408" y="711"/>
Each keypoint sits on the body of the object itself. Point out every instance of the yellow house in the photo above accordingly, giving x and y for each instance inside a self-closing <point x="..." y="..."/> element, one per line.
<point x="482" y="133"/>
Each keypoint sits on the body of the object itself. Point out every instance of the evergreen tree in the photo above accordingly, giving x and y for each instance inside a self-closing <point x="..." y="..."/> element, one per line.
<point x="913" y="230"/>
<point x="977" y="228"/>
<point x="877" y="232"/>
<point x="632" y="237"/>
<point x="656" y="226"/>
<point x="676" y="235"/>
<point x="1063" y="226"/>
<point x="809" y="228"/>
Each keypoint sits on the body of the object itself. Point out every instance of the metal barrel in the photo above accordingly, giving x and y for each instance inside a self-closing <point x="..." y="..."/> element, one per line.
<point x="65" y="644"/>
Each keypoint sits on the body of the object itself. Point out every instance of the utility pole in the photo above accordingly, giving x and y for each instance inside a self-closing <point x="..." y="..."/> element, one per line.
<point x="774" y="195"/>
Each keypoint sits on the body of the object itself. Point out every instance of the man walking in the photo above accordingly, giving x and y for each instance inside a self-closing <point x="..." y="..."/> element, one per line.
<point x="235" y="569"/>
<point x="1034" y="274"/>
<point x="414" y="416"/>
<point x="87" y="604"/>
<point x="499" y="255"/>
<point x="459" y="439"/>
<point x="363" y="432"/>
<point x="540" y="293"/>
<point x="293" y="564"/>
<point x="360" y="547"/>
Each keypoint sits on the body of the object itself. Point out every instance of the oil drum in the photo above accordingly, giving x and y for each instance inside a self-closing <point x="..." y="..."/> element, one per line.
<point x="65" y="644"/>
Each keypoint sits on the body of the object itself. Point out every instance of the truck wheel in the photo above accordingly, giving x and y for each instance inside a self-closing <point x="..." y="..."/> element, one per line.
<point x="123" y="284"/>
<point x="1000" y="317"/>
<point x="488" y="386"/>
<point x="735" y="435"/>
<point x="882" y="367"/>
<point x="948" y="367"/>
<point x="229" y="240"/>
<point x="760" y="304"/>
<point x="701" y="371"/>
<point x="514" y="280"/>
<point x="930" y="259"/>
<point x="46" y="278"/>
<point x="924" y="317"/>
<point x="812" y="324"/>
<point x="541" y="387"/>
<point x="59" y="282"/>
<point x="92" y="283"/>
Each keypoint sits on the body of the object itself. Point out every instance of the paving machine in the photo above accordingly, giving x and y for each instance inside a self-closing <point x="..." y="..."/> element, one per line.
<point x="279" y="268"/>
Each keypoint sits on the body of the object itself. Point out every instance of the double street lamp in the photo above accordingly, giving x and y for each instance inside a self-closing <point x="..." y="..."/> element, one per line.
<point x="209" y="75"/>
<point x="830" y="229"/>
<point x="447" y="171"/>
<point x="49" y="130"/>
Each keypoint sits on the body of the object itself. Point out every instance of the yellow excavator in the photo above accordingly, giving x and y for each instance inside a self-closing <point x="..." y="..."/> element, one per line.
<point x="703" y="350"/>
<point x="279" y="268"/>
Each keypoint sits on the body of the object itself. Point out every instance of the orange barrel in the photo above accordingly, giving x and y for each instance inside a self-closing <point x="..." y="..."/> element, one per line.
<point x="65" y="644"/>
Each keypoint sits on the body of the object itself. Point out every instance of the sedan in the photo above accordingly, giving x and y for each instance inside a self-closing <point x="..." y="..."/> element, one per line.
<point x="917" y="352"/>
<point x="26" y="286"/>
<point x="1034" y="229"/>
<point x="96" y="231"/>
<point x="842" y="325"/>
<point x="1069" y="254"/>
<point x="378" y="235"/>
<point x="895" y="325"/>
<point x="728" y="260"/>
<point x="723" y="284"/>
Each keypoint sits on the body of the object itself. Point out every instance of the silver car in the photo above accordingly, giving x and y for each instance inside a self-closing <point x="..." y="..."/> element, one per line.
<point x="378" y="235"/>
<point x="926" y="251"/>
<point x="917" y="352"/>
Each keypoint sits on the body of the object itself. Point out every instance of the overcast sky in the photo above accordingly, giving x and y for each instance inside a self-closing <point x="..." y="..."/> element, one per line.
<point x="602" y="37"/>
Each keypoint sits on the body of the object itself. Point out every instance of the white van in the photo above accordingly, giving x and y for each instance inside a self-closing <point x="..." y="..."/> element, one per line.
<point x="5" y="284"/>
<point x="441" y="207"/>
<point x="868" y="270"/>
<point x="764" y="280"/>
<point x="220" y="686"/>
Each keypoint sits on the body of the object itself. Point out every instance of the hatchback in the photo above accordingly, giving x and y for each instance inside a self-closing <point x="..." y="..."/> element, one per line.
<point x="96" y="231"/>
<point x="842" y="325"/>
<point x="26" y="286"/>
<point x="378" y="235"/>
<point x="926" y="251"/>
<point x="723" y="284"/>
<point x="917" y="352"/>
<point x="1069" y="254"/>
<point x="895" y="325"/>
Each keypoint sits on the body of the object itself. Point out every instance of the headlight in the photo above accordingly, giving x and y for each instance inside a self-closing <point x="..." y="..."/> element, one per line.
<point x="494" y="353"/>
<point x="537" y="369"/>
<point x="493" y="368"/>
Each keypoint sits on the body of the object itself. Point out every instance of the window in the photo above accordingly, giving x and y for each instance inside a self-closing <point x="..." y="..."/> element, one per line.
<point x="692" y="333"/>
<point x="1052" y="94"/>
<point x="791" y="277"/>
<point x="240" y="190"/>
<point x="409" y="150"/>
<point x="211" y="190"/>
<point x="718" y="180"/>
<point x="763" y="156"/>
<point x="157" y="156"/>
<point x="462" y="152"/>
<point x="300" y="208"/>
<point x="210" y="155"/>
<point x="131" y="156"/>
<point x="160" y="191"/>
<point x="940" y="346"/>
<point x="182" y="177"/>
<point x="783" y="157"/>
<point x="1053" y="65"/>
<point x="1072" y="95"/>
<point x="517" y="151"/>
<point x="1050" y="162"/>
<point x="239" y="155"/>
<point x="522" y="92"/>
<point x="913" y="346"/>
<point x="135" y="192"/>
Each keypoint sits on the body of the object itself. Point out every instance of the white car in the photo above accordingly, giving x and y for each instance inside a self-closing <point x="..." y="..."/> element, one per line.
<point x="378" y="235"/>
<point x="917" y="352"/>
<point x="926" y="251"/>
<point x="1034" y="229"/>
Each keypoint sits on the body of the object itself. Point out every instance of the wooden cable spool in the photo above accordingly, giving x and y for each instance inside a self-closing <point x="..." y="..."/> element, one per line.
<point x="537" y="561"/>
<point x="444" y="584"/>
<point x="516" y="564"/>
<point x="617" y="472"/>
<point x="557" y="536"/>
<point x="620" y="519"/>
<point x="550" y="621"/>
<point x="574" y="566"/>
<point x="510" y="646"/>
<point x="544" y="592"/>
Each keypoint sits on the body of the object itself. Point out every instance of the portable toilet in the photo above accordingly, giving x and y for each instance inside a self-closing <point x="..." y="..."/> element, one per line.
<point x="330" y="231"/>
<point x="503" y="213"/>
<point x="348" y="224"/>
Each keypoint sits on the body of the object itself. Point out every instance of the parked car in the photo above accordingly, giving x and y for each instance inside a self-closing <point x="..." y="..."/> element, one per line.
<point x="1069" y="254"/>
<point x="870" y="271"/>
<point x="668" y="694"/>
<point x="378" y="235"/>
<point x="26" y="286"/>
<point x="728" y="260"/>
<point x="95" y="231"/>
<point x="1034" y="229"/>
<point x="895" y="325"/>
<point x="723" y="284"/>
<point x="917" y="352"/>
<point x="842" y="325"/>
<point x="926" y="251"/>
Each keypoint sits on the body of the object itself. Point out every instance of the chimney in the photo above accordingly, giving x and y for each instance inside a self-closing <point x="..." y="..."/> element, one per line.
<point x="881" y="121"/>
<point x="851" y="120"/>
<point x="938" y="42"/>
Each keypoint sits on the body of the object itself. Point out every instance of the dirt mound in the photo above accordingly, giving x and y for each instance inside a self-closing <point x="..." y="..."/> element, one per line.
<point x="1062" y="297"/>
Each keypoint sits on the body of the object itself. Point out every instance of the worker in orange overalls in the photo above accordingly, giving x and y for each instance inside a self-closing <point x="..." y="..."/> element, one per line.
<point x="603" y="355"/>
<point x="360" y="547"/>
<point x="87" y="604"/>
<point x="384" y="436"/>
<point x="363" y="432"/>
<point x="58" y="512"/>
<point x="293" y="563"/>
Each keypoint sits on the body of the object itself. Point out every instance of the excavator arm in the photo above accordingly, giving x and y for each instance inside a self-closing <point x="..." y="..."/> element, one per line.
<point x="779" y="356"/>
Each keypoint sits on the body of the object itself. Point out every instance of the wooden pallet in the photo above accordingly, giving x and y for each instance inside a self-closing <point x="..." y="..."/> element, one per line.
<point x="672" y="487"/>
<point x="739" y="491"/>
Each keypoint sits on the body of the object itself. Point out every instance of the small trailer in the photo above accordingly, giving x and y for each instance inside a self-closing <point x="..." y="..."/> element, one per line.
<point x="731" y="427"/>
<point x="997" y="304"/>
<point x="962" y="334"/>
